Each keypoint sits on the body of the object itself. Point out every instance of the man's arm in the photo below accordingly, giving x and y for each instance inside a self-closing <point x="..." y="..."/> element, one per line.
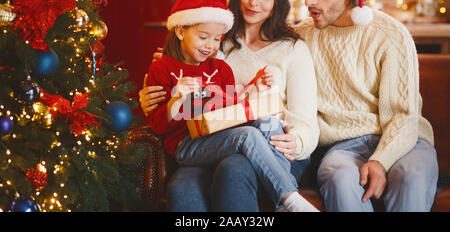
<point x="398" y="109"/>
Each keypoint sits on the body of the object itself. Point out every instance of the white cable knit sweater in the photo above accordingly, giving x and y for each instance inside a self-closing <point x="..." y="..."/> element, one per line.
<point x="294" y="79"/>
<point x="368" y="83"/>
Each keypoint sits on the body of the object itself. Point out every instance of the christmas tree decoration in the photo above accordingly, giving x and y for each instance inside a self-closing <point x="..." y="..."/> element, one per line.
<point x="98" y="48"/>
<point x="57" y="113"/>
<point x="81" y="17"/>
<point x="6" y="125"/>
<point x="37" y="177"/>
<point x="100" y="3"/>
<point x="35" y="17"/>
<point x="63" y="109"/>
<point x="99" y="29"/>
<point x="47" y="63"/>
<point x="27" y="92"/>
<point x="121" y="116"/>
<point x="23" y="204"/>
<point x="95" y="64"/>
<point x="6" y="14"/>
<point x="42" y="115"/>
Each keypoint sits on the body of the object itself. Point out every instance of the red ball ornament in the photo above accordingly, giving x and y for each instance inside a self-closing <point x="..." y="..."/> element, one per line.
<point x="37" y="177"/>
<point x="100" y="3"/>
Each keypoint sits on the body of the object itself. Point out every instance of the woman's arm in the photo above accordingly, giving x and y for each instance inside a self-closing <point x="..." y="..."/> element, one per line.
<point x="150" y="96"/>
<point x="301" y="106"/>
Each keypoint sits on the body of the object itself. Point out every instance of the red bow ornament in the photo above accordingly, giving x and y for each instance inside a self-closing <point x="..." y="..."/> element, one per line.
<point x="61" y="107"/>
<point x="35" y="17"/>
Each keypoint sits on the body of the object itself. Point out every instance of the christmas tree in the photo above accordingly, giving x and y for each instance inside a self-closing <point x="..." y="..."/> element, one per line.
<point x="65" y="116"/>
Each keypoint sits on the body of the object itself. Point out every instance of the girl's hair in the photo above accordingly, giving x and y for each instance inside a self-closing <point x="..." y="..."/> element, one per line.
<point x="275" y="28"/>
<point x="172" y="46"/>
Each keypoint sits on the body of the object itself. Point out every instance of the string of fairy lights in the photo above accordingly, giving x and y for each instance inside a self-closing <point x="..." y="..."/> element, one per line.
<point x="54" y="202"/>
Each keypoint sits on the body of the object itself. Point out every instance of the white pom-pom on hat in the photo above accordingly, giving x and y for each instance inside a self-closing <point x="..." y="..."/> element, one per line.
<point x="361" y="15"/>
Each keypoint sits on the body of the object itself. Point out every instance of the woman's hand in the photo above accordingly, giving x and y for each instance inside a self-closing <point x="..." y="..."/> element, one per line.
<point x="265" y="82"/>
<point x="286" y="144"/>
<point x="158" y="54"/>
<point x="150" y="96"/>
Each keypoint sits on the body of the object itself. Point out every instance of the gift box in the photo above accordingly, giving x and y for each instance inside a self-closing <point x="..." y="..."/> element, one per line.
<point x="235" y="115"/>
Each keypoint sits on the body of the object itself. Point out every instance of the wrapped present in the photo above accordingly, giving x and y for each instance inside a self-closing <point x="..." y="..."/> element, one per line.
<point x="230" y="116"/>
<point x="235" y="115"/>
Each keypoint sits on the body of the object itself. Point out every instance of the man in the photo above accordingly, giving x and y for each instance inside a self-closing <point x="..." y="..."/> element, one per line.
<point x="369" y="110"/>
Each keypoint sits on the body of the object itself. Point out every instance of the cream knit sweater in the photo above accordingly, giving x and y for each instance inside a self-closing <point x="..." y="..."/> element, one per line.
<point x="294" y="79"/>
<point x="368" y="83"/>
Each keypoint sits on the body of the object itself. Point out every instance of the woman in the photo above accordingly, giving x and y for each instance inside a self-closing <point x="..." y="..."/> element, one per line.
<point x="259" y="37"/>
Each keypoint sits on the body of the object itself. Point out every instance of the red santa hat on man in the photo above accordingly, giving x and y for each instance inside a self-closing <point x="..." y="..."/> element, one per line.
<point x="191" y="12"/>
<point x="361" y="15"/>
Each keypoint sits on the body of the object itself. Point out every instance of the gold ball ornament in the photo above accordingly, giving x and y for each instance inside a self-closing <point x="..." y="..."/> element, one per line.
<point x="81" y="17"/>
<point x="42" y="115"/>
<point x="6" y="14"/>
<point x="99" y="29"/>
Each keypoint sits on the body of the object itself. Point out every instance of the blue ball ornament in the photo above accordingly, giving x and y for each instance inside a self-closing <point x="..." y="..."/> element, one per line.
<point x="47" y="63"/>
<point x="23" y="204"/>
<point x="6" y="125"/>
<point x="121" y="116"/>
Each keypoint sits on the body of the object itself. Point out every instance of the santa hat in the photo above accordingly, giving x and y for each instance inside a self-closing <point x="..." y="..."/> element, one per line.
<point x="361" y="15"/>
<point x="191" y="12"/>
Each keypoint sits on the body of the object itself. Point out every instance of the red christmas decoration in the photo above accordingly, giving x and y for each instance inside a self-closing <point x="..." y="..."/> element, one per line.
<point x="60" y="107"/>
<point x="99" y="50"/>
<point x="100" y="3"/>
<point x="35" y="17"/>
<point x="6" y="68"/>
<point x="37" y="177"/>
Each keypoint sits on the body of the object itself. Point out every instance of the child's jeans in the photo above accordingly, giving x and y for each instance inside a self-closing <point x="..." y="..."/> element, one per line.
<point x="252" y="141"/>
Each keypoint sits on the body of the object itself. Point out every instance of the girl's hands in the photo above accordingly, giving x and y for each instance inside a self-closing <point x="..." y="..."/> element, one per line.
<point x="185" y="87"/>
<point x="265" y="82"/>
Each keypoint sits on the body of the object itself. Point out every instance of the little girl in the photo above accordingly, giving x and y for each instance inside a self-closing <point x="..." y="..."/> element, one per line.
<point x="196" y="28"/>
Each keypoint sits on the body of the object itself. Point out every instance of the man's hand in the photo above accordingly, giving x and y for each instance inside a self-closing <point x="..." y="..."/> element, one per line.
<point x="376" y="174"/>
<point x="149" y="97"/>
<point x="286" y="144"/>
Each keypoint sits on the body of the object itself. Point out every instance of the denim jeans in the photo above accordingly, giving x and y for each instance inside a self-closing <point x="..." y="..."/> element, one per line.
<point x="411" y="181"/>
<point x="250" y="140"/>
<point x="232" y="186"/>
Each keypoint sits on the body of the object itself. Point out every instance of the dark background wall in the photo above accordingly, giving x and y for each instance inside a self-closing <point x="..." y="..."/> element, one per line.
<point x="130" y="38"/>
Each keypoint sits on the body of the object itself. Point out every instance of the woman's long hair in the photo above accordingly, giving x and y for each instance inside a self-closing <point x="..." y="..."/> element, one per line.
<point x="275" y="28"/>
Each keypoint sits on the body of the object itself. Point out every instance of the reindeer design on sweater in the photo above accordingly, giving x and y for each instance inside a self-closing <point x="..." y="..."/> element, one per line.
<point x="204" y="93"/>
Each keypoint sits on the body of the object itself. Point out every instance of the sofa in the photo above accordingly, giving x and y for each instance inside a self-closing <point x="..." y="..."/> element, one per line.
<point x="155" y="171"/>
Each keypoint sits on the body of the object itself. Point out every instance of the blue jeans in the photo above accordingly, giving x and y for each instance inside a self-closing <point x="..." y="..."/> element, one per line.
<point x="411" y="181"/>
<point x="250" y="140"/>
<point x="232" y="186"/>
